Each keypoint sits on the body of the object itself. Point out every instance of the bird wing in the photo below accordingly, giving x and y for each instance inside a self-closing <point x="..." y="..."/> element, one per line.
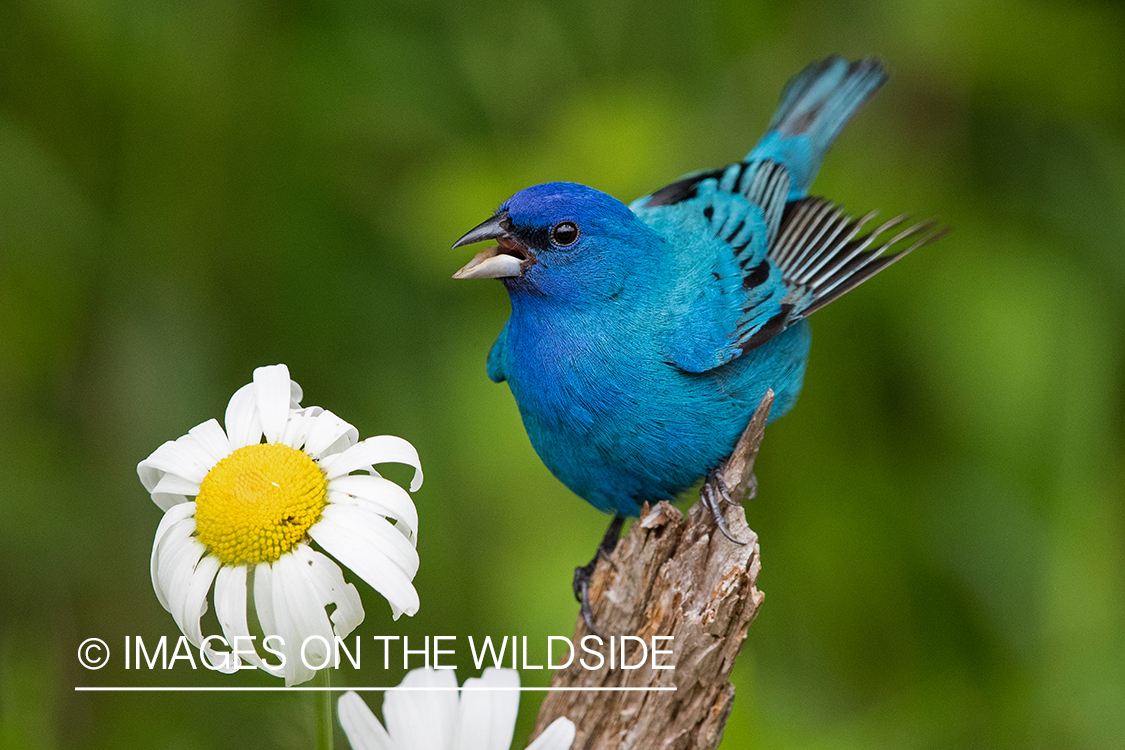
<point x="822" y="254"/>
<point x="750" y="263"/>
<point x="727" y="297"/>
<point x="497" y="355"/>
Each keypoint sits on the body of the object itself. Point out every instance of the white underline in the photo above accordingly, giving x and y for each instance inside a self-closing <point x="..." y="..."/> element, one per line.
<point x="172" y="689"/>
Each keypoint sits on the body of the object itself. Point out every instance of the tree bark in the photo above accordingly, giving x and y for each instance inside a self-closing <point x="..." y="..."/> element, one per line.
<point x="668" y="577"/>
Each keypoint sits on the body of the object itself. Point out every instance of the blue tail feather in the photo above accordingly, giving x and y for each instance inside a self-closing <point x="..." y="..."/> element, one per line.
<point x="815" y="106"/>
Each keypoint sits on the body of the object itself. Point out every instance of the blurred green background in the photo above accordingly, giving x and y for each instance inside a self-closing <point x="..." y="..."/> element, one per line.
<point x="190" y="190"/>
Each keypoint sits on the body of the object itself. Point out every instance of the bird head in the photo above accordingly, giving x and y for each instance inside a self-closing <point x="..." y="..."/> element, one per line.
<point x="561" y="240"/>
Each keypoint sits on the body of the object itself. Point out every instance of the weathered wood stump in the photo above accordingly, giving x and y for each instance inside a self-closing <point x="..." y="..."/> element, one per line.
<point x="669" y="577"/>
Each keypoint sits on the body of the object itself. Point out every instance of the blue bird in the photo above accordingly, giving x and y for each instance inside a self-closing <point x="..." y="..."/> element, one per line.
<point x="643" y="337"/>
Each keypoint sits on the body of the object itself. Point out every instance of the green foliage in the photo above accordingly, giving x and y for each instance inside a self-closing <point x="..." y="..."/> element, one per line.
<point x="188" y="191"/>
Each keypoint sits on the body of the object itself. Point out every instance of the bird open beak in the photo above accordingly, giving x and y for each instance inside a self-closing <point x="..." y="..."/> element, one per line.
<point x="508" y="258"/>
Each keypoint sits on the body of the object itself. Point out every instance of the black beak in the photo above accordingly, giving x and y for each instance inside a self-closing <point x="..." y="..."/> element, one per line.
<point x="506" y="259"/>
<point x="489" y="229"/>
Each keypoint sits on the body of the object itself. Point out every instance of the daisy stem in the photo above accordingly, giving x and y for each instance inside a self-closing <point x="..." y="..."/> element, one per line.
<point x="323" y="698"/>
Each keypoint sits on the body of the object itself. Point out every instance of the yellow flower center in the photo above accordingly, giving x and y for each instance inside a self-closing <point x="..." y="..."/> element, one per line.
<point x="258" y="502"/>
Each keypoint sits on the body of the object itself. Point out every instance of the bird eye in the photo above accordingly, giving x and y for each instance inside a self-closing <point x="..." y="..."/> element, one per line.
<point x="564" y="234"/>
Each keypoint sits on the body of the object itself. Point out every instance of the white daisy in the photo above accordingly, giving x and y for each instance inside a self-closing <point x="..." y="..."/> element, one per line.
<point x="420" y="719"/>
<point x="240" y="512"/>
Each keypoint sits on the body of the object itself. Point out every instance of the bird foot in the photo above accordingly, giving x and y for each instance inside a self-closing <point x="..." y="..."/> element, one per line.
<point x="584" y="573"/>
<point x="713" y="493"/>
<point x="582" y="576"/>
<point x="734" y="477"/>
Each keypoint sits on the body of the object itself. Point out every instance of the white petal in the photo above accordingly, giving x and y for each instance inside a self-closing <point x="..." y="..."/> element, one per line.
<point x="194" y="607"/>
<point x="505" y="705"/>
<point x="298" y="426"/>
<point x="380" y="495"/>
<point x="184" y="457"/>
<point x="330" y="432"/>
<point x="356" y="551"/>
<point x="173" y="484"/>
<point x="199" y="452"/>
<point x="176" y="559"/>
<point x="230" y="609"/>
<point x="166" y="502"/>
<point x="270" y="620"/>
<point x="487" y="718"/>
<point x="212" y="440"/>
<point x="299" y="615"/>
<point x="558" y="736"/>
<point x="152" y="470"/>
<point x="294" y="670"/>
<point x="377" y="532"/>
<point x="363" y="730"/>
<point x="171" y="517"/>
<point x="194" y="603"/>
<point x="328" y="580"/>
<point x="243" y="425"/>
<point x="263" y="599"/>
<point x="381" y="449"/>
<point x="272" y="393"/>
<point x="295" y="395"/>
<point x="419" y="719"/>
<point x="149" y="474"/>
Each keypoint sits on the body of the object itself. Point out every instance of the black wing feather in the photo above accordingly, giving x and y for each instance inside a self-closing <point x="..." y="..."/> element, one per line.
<point x="822" y="254"/>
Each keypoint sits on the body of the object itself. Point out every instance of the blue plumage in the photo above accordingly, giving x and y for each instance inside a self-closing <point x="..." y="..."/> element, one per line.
<point x="642" y="337"/>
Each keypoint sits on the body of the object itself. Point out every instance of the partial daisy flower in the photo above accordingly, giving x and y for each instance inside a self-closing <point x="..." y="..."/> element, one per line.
<point x="420" y="719"/>
<point x="240" y="513"/>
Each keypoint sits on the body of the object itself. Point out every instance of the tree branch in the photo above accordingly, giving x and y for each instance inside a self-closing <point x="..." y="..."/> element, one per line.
<point x="669" y="577"/>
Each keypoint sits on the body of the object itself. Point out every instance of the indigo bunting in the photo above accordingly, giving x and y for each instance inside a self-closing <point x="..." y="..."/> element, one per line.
<point x="642" y="337"/>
